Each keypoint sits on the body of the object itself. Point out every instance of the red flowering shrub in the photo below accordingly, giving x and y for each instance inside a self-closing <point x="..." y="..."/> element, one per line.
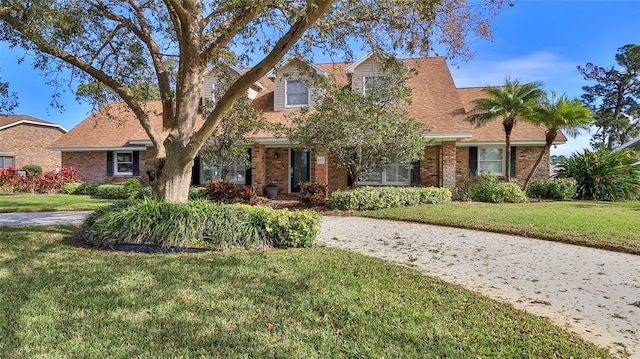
<point x="12" y="181"/>
<point x="246" y="193"/>
<point x="313" y="193"/>
<point x="221" y="191"/>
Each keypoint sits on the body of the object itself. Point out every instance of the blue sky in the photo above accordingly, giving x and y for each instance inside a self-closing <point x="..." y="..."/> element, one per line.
<point x="535" y="40"/>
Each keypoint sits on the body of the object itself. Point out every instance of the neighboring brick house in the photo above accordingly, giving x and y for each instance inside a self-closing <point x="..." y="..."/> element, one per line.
<point x="104" y="150"/>
<point x="24" y="141"/>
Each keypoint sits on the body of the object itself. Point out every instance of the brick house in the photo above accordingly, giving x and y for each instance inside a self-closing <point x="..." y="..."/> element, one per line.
<point x="24" y="141"/>
<point x="104" y="150"/>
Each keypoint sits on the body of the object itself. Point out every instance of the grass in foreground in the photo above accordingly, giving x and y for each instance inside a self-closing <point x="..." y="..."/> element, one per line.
<point x="608" y="225"/>
<point x="63" y="300"/>
<point x="49" y="203"/>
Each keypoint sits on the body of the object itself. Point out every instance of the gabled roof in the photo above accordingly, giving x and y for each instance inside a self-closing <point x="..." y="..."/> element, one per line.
<point x="634" y="143"/>
<point x="237" y="70"/>
<point x="364" y="58"/>
<point x="272" y="74"/>
<point x="436" y="102"/>
<point x="7" y="121"/>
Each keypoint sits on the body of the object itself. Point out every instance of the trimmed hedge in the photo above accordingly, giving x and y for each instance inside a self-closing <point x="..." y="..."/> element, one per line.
<point x="488" y="188"/>
<point x="368" y="198"/>
<point x="562" y="189"/>
<point x="200" y="224"/>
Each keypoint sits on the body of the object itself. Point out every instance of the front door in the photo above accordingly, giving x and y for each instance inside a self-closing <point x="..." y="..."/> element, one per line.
<point x="300" y="168"/>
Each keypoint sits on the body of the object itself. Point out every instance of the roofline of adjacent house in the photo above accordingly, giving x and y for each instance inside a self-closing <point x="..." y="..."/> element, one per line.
<point x="238" y="71"/>
<point x="628" y="144"/>
<point x="95" y="149"/>
<point x="513" y="143"/>
<point x="364" y="58"/>
<point x="33" y="123"/>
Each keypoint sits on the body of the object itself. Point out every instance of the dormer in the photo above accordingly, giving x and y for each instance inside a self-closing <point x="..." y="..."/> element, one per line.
<point x="371" y="69"/>
<point x="218" y="78"/>
<point x="295" y="82"/>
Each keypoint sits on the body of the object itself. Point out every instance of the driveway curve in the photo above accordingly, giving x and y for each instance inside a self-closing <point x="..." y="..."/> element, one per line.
<point x="593" y="293"/>
<point x="42" y="218"/>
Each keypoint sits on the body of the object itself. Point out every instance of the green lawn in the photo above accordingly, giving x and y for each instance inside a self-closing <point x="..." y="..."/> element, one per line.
<point x="49" y="203"/>
<point x="60" y="299"/>
<point x="609" y="225"/>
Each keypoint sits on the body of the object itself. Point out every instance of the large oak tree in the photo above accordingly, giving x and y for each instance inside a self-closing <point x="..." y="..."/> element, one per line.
<point x="121" y="43"/>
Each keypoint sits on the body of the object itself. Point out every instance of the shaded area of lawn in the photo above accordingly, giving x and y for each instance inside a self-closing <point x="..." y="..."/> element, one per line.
<point x="49" y="203"/>
<point x="607" y="225"/>
<point x="61" y="299"/>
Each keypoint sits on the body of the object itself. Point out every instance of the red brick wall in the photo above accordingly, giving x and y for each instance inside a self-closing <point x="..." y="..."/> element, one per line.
<point x="430" y="167"/>
<point x="29" y="143"/>
<point x="525" y="158"/>
<point x="277" y="168"/>
<point x="92" y="166"/>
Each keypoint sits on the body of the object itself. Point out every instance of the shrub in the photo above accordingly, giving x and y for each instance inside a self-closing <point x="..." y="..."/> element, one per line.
<point x="367" y="198"/>
<point x="71" y="188"/>
<point x="88" y="189"/>
<point x="221" y="191"/>
<point x="563" y="189"/>
<point x="33" y="170"/>
<point x="313" y="193"/>
<point x="604" y="175"/>
<point x="112" y="191"/>
<point x="488" y="188"/>
<point x="196" y="193"/>
<point x="200" y="223"/>
<point x="132" y="186"/>
<point x="11" y="181"/>
<point x="144" y="192"/>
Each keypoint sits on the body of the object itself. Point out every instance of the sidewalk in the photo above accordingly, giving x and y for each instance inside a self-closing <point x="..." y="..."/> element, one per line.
<point x="42" y="218"/>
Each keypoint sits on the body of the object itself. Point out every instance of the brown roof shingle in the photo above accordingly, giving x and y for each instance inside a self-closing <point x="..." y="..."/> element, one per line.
<point x="435" y="102"/>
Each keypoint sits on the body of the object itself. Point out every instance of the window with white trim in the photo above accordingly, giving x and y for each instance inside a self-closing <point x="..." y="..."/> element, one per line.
<point x="123" y="163"/>
<point x="491" y="159"/>
<point x="393" y="175"/>
<point x="296" y="93"/>
<point x="374" y="82"/>
<point x="211" y="170"/>
<point x="7" y="161"/>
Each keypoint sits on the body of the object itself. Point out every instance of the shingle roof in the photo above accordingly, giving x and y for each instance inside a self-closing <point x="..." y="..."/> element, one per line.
<point x="7" y="121"/>
<point x="435" y="102"/>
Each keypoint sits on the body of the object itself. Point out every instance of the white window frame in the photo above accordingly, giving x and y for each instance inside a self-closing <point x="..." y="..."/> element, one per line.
<point x="4" y="159"/>
<point x="364" y="82"/>
<point x="234" y="168"/>
<point x="383" y="178"/>
<point x="502" y="161"/>
<point x="286" y="94"/>
<point x="116" y="162"/>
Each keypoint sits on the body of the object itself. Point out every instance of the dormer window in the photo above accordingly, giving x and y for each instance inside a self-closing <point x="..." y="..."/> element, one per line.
<point x="373" y="82"/>
<point x="296" y="94"/>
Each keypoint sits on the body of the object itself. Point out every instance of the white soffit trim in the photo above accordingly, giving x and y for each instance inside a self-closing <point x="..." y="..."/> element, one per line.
<point x="631" y="143"/>
<point x="446" y="136"/>
<point x="141" y="142"/>
<point x="501" y="143"/>
<point x="33" y="123"/>
<point x="96" y="149"/>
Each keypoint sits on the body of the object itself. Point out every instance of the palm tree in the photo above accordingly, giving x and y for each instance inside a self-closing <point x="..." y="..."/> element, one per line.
<point x="557" y="113"/>
<point x="509" y="102"/>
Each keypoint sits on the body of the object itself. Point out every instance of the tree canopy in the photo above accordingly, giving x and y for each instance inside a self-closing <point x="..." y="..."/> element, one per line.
<point x="614" y="99"/>
<point x="169" y="43"/>
<point x="364" y="133"/>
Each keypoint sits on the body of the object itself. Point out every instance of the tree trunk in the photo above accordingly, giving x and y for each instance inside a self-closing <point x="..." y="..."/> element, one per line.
<point x="170" y="177"/>
<point x="549" y="138"/>
<point x="508" y="127"/>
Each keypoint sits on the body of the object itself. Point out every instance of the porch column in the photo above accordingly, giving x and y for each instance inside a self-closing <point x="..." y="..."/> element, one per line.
<point x="449" y="165"/>
<point x="320" y="167"/>
<point x="258" y="167"/>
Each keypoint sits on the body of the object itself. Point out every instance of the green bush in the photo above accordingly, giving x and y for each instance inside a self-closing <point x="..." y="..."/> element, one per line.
<point x="88" y="189"/>
<point x="196" y="193"/>
<point x="70" y="188"/>
<point x="112" y="191"/>
<point x="144" y="192"/>
<point x="367" y="198"/>
<point x="33" y="171"/>
<point x="604" y="175"/>
<point x="562" y="189"/>
<point x="132" y="186"/>
<point x="200" y="223"/>
<point x="488" y="188"/>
